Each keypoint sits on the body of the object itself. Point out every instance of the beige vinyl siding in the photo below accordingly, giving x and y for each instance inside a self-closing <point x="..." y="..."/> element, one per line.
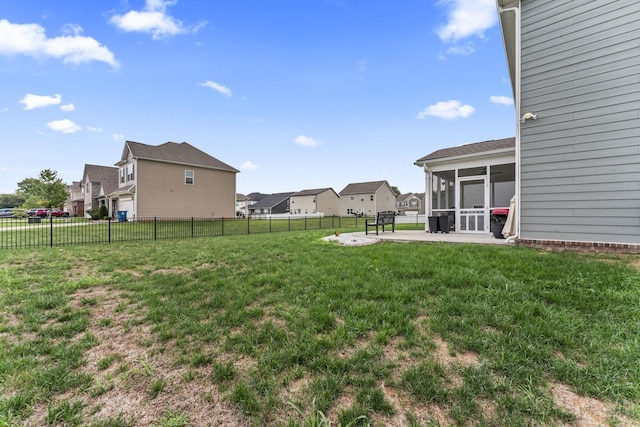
<point x="328" y="203"/>
<point x="580" y="160"/>
<point x="303" y="204"/>
<point x="161" y="191"/>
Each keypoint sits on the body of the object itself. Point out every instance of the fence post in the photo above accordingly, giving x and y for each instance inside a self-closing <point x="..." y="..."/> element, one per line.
<point x="192" y="227"/>
<point x="305" y="223"/>
<point x="223" y="226"/>
<point x="109" y="230"/>
<point x="248" y="227"/>
<point x="155" y="228"/>
<point x="51" y="230"/>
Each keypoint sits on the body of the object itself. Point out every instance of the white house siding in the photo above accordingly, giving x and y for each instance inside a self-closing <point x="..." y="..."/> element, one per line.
<point x="580" y="160"/>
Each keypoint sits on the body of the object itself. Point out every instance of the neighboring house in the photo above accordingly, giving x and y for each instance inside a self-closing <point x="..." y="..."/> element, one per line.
<point x="320" y="200"/>
<point x="97" y="182"/>
<point x="173" y="180"/>
<point x="75" y="202"/>
<point x="466" y="182"/>
<point x="574" y="66"/>
<point x="272" y="204"/>
<point x="242" y="205"/>
<point x="256" y="197"/>
<point x="410" y="204"/>
<point x="367" y="198"/>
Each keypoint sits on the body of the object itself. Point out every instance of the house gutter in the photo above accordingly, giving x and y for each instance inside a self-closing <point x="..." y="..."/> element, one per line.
<point x="517" y="101"/>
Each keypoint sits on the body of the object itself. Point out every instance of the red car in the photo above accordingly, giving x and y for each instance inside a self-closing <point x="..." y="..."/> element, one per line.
<point x="41" y="212"/>
<point x="58" y="213"/>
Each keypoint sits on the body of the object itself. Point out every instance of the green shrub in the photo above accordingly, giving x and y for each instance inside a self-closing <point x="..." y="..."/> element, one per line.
<point x="103" y="212"/>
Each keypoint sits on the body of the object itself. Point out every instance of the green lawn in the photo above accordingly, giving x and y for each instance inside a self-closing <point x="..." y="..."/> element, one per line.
<point x="285" y="329"/>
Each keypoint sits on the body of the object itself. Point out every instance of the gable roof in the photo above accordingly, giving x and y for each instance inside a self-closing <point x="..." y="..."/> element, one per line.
<point x="407" y="196"/>
<point x="271" y="200"/>
<point x="107" y="176"/>
<point x="256" y="196"/>
<point x="465" y="150"/>
<point x="363" y="187"/>
<point x="313" y="192"/>
<point x="102" y="174"/>
<point x="172" y="152"/>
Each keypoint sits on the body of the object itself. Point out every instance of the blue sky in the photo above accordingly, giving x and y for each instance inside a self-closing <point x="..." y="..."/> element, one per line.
<point x="296" y="94"/>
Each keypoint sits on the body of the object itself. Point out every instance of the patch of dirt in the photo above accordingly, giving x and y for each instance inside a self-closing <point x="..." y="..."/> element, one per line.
<point x="403" y="402"/>
<point x="127" y="382"/>
<point x="589" y="412"/>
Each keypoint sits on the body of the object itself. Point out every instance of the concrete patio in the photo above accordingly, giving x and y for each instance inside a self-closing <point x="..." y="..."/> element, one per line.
<point x="424" y="236"/>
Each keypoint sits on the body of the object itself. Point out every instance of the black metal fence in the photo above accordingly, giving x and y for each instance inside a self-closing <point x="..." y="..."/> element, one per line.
<point x="34" y="232"/>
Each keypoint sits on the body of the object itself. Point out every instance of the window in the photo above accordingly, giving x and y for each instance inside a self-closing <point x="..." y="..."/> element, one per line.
<point x="130" y="174"/>
<point x="188" y="177"/>
<point x="353" y="198"/>
<point x="121" y="175"/>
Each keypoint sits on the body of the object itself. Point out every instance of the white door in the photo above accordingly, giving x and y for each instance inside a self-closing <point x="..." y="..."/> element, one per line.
<point x="472" y="213"/>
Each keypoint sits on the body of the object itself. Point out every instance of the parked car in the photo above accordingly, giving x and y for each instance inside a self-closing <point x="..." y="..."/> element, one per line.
<point x="7" y="213"/>
<point x="32" y="211"/>
<point x="59" y="213"/>
<point x="41" y="212"/>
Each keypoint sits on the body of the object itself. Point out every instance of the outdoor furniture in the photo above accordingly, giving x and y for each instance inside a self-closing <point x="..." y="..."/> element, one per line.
<point x="382" y="218"/>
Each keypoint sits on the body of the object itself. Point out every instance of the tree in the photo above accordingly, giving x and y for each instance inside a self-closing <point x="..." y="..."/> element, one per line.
<point x="45" y="191"/>
<point x="395" y="190"/>
<point x="11" y="200"/>
<point x="28" y="187"/>
<point x="53" y="190"/>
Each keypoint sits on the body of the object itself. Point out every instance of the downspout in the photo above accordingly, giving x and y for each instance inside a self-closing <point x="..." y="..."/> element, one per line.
<point x="517" y="87"/>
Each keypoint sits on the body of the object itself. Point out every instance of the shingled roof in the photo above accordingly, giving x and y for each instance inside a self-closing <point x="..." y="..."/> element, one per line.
<point x="172" y="152"/>
<point x="363" y="187"/>
<point x="312" y="192"/>
<point x="271" y="200"/>
<point x="107" y="176"/>
<point x="469" y="149"/>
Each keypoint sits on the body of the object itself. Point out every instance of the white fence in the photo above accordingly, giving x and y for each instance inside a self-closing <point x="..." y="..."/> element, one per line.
<point x="411" y="219"/>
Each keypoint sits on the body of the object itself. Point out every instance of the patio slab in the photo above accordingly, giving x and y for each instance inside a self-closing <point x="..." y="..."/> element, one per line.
<point x="425" y="236"/>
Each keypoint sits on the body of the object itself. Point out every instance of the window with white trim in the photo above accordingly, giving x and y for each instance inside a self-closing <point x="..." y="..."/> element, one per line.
<point x="188" y="177"/>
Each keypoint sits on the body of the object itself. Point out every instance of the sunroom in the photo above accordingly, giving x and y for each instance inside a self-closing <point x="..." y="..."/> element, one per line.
<point x="468" y="186"/>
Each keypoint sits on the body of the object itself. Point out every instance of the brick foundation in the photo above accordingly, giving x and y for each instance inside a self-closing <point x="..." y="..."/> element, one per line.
<point x="603" y="247"/>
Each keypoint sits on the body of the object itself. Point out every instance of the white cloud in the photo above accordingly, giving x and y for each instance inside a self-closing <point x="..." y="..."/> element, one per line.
<point x="306" y="141"/>
<point x="501" y="100"/>
<point x="92" y="129"/>
<point x="248" y="165"/>
<point x="67" y="107"/>
<point x="32" y="101"/>
<point x="468" y="18"/>
<point x="31" y="40"/>
<point x="118" y="137"/>
<point x="64" y="126"/>
<point x="464" y="50"/>
<point x="447" y="110"/>
<point x="217" y="87"/>
<point x="154" y="19"/>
